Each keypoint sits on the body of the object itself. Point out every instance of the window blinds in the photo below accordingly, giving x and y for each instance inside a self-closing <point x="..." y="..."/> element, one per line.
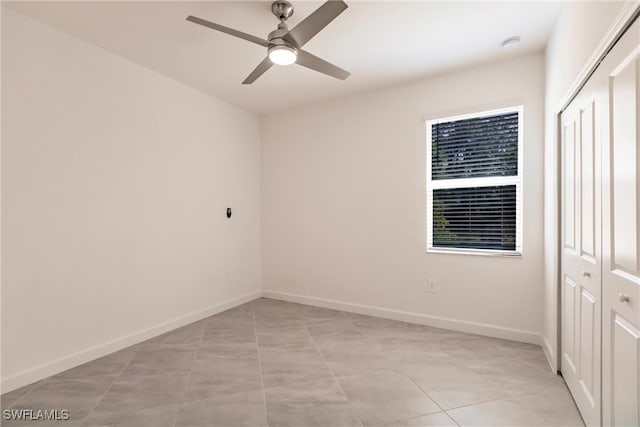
<point x="474" y="183"/>
<point x="476" y="147"/>
<point x="475" y="217"/>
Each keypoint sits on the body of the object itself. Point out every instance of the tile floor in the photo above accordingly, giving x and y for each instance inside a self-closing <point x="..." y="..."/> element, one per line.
<point x="272" y="363"/>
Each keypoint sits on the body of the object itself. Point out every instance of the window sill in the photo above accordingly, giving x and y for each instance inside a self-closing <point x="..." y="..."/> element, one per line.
<point x="477" y="252"/>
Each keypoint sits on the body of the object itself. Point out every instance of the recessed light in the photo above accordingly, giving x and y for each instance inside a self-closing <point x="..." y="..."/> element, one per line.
<point x="511" y="43"/>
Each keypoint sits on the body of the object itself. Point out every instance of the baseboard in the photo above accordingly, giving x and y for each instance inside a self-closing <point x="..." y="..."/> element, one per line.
<point x="405" y="316"/>
<point x="37" y="373"/>
<point x="549" y="354"/>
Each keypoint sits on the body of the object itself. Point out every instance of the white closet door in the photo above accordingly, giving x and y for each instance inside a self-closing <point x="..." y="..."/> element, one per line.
<point x="581" y="127"/>
<point x="621" y="229"/>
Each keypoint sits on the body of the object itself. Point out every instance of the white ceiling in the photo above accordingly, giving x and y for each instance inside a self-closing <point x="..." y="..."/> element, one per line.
<point x="381" y="43"/>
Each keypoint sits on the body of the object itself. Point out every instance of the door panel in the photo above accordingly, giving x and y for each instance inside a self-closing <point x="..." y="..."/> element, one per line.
<point x="624" y="222"/>
<point x="569" y="175"/>
<point x="587" y="184"/>
<point x="589" y="345"/>
<point x="600" y="291"/>
<point x="581" y="265"/>
<point x="622" y="406"/>
<point x="621" y="225"/>
<point x="569" y="330"/>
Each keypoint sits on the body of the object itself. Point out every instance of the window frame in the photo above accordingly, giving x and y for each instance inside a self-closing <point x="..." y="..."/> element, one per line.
<point x="516" y="180"/>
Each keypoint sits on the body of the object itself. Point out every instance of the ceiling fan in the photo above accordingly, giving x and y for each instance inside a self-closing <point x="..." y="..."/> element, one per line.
<point x="284" y="46"/>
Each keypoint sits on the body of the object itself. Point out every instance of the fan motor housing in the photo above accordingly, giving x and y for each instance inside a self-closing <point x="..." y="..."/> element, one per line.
<point x="276" y="37"/>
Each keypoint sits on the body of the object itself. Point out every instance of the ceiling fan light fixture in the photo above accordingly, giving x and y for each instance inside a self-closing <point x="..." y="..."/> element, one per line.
<point x="284" y="47"/>
<point x="283" y="54"/>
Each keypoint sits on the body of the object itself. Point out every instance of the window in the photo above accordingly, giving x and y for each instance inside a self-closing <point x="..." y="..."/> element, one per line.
<point x="474" y="183"/>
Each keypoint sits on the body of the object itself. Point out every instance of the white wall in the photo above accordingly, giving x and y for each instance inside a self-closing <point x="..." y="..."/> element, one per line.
<point x="115" y="185"/>
<point x="578" y="31"/>
<point x="344" y="211"/>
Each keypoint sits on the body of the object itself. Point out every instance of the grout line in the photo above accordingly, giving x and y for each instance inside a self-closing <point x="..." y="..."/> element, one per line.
<point x="513" y="355"/>
<point x="431" y="398"/>
<point x="452" y="419"/>
<point x="371" y="341"/>
<point x="494" y="400"/>
<point x="374" y="342"/>
<point x="255" y="331"/>
<point x="184" y="392"/>
<point x="451" y="409"/>
<point x="420" y="416"/>
<point x="306" y="324"/>
<point x="297" y="383"/>
<point x="476" y="403"/>
<point x="516" y="356"/>
<point x="31" y="387"/>
<point x="114" y="380"/>
<point x="332" y="374"/>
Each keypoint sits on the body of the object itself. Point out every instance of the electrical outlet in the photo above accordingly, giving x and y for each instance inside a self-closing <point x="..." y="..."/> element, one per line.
<point x="431" y="287"/>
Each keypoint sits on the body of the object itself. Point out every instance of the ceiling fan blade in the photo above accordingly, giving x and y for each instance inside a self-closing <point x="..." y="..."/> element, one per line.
<point x="258" y="71"/>
<point x="230" y="31"/>
<point x="312" y="24"/>
<point x="314" y="63"/>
